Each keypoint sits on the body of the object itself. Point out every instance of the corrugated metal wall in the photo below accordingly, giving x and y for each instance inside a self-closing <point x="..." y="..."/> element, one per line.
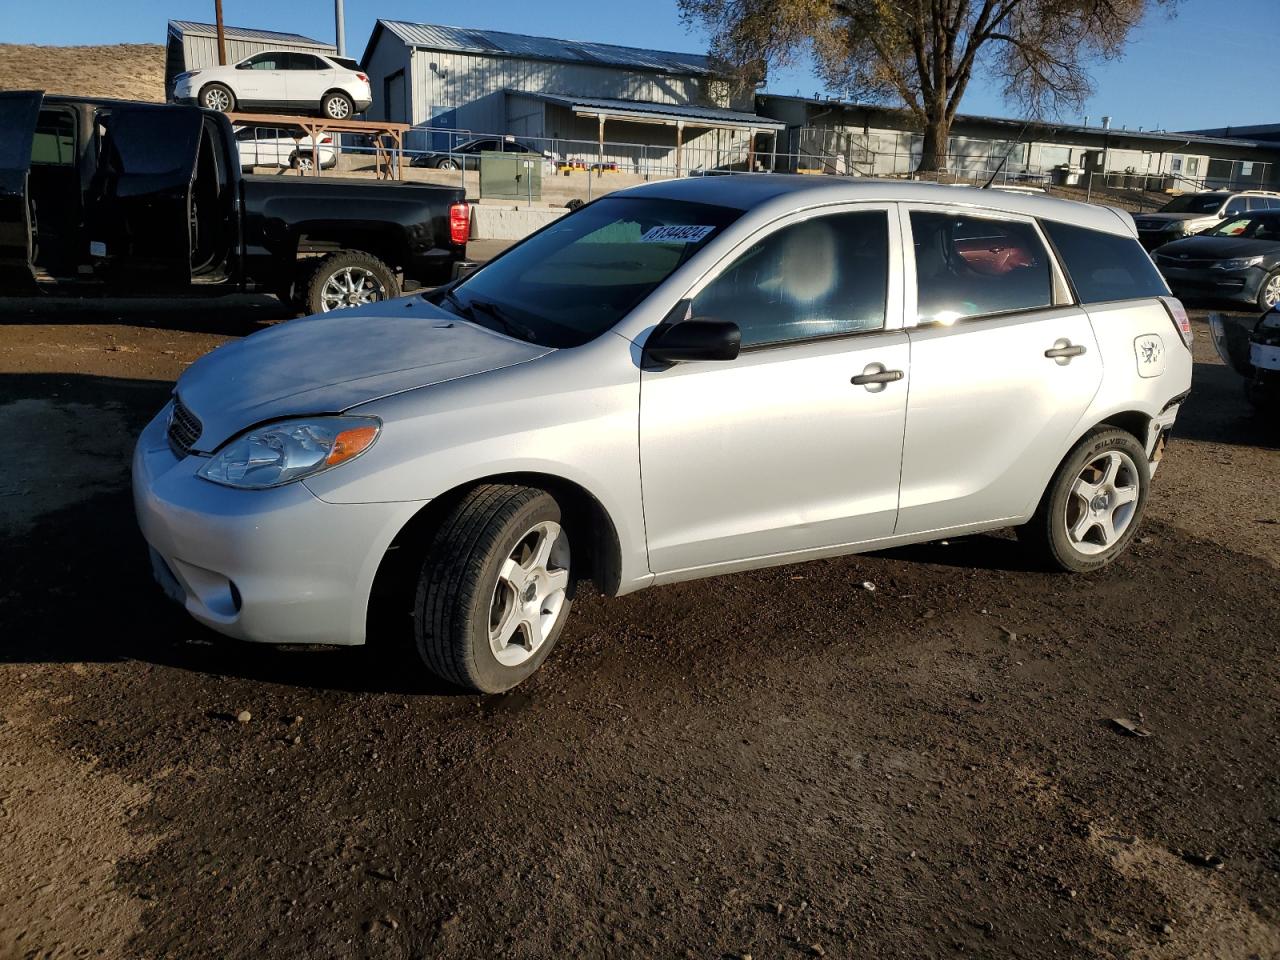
<point x="473" y="85"/>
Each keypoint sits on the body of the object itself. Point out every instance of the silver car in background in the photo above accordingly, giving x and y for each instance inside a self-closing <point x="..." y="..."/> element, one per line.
<point x="678" y="380"/>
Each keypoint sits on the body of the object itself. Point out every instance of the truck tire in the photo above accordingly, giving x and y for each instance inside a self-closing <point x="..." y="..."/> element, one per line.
<point x="349" y="278"/>
<point x="337" y="106"/>
<point x="1093" y="505"/>
<point x="495" y="588"/>
<point x="217" y="96"/>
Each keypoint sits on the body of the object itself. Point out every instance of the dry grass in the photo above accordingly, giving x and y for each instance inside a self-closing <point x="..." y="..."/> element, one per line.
<point x="130" y="71"/>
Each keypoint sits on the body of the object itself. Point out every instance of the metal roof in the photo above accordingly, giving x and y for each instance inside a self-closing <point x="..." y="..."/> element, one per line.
<point x="646" y="110"/>
<point x="181" y="28"/>
<point x="497" y="43"/>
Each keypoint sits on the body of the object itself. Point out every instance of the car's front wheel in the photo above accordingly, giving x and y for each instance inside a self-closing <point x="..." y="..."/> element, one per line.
<point x="217" y="97"/>
<point x="1269" y="292"/>
<point x="1094" y="503"/>
<point x="495" y="588"/>
<point x="447" y="164"/>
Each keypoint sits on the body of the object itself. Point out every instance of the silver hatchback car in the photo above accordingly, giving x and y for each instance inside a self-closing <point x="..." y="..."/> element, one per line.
<point x="678" y="380"/>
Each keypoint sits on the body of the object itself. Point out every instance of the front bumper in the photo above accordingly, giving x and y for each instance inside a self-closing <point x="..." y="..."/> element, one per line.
<point x="274" y="566"/>
<point x="1206" y="283"/>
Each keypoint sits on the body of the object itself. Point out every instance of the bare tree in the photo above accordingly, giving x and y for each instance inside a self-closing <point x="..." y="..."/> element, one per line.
<point x="924" y="52"/>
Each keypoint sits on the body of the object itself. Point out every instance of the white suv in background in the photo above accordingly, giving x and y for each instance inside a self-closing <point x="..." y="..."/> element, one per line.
<point x="276" y="147"/>
<point x="279" y="79"/>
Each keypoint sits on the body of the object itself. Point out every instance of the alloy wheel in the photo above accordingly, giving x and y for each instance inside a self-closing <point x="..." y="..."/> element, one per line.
<point x="1102" y="502"/>
<point x="217" y="99"/>
<point x="1271" y="292"/>
<point x="351" y="287"/>
<point x="338" y="108"/>
<point x="531" y="590"/>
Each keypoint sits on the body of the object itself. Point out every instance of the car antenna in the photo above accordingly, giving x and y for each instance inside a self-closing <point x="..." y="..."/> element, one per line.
<point x="1005" y="159"/>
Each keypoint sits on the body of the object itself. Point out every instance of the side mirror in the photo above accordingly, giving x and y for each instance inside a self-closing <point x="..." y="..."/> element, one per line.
<point x="695" y="339"/>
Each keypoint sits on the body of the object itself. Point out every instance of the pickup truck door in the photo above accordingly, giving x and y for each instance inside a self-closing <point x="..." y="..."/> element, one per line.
<point x="18" y="114"/>
<point x="141" y="210"/>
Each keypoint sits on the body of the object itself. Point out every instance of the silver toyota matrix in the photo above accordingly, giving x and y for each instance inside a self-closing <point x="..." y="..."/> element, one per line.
<point x="678" y="380"/>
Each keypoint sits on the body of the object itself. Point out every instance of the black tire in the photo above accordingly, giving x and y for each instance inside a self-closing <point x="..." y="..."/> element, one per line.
<point x="217" y="96"/>
<point x="447" y="163"/>
<point x="1264" y="302"/>
<point x="1047" y="535"/>
<point x="363" y="265"/>
<point x="337" y="106"/>
<point x="459" y="587"/>
<point x="301" y="161"/>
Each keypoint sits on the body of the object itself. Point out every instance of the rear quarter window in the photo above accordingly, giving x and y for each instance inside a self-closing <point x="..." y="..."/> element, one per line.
<point x="1105" y="266"/>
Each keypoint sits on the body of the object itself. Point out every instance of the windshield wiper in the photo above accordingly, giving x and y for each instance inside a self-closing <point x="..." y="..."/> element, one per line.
<point x="492" y="310"/>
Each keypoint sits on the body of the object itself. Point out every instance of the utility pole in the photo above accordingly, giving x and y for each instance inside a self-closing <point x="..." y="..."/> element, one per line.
<point x="341" y="27"/>
<point x="222" y="35"/>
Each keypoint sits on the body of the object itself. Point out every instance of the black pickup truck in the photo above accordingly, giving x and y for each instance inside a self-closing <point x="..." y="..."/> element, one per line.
<point x="133" y="199"/>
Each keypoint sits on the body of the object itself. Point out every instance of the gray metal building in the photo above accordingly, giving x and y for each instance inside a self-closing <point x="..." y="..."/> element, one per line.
<point x="193" y="45"/>
<point x="642" y="109"/>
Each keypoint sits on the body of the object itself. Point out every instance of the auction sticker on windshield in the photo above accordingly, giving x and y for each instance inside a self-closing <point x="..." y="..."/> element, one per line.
<point x="689" y="233"/>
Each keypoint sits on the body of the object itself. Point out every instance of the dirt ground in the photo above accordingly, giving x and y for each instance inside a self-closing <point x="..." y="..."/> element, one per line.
<point x="129" y="71"/>
<point x="774" y="764"/>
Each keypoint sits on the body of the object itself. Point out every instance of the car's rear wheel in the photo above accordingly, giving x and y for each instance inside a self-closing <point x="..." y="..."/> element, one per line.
<point x="217" y="97"/>
<point x="495" y="588"/>
<point x="337" y="106"/>
<point x="447" y="164"/>
<point x="1269" y="292"/>
<point x="346" y="279"/>
<point x="301" y="161"/>
<point x="1094" y="504"/>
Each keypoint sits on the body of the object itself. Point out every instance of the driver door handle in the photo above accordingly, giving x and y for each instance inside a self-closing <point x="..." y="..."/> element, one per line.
<point x="1065" y="349"/>
<point x="884" y="376"/>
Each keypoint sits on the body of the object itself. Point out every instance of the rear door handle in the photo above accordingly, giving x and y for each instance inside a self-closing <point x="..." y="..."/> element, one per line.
<point x="881" y="376"/>
<point x="1063" y="350"/>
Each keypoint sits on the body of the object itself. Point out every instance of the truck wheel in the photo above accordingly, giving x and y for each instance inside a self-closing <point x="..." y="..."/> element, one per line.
<point x="1093" y="505"/>
<point x="217" y="97"/>
<point x="348" y="279"/>
<point x="337" y="106"/>
<point x="495" y="588"/>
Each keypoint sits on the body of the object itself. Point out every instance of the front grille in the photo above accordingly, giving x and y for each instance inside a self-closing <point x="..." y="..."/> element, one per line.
<point x="1167" y="261"/>
<point x="184" y="428"/>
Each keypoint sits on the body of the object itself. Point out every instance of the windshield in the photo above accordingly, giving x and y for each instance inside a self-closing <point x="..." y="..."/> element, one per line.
<point x="1194" y="203"/>
<point x="1248" y="228"/>
<point x="576" y="279"/>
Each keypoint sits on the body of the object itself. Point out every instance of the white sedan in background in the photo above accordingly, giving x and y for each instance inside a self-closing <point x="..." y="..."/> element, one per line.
<point x="277" y="147"/>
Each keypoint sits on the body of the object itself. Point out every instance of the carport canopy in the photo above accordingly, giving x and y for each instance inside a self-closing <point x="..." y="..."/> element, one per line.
<point x="666" y="114"/>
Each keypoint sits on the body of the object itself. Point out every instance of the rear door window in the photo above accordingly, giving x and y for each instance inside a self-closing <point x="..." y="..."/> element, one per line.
<point x="1104" y="266"/>
<point x="55" y="139"/>
<point x="969" y="266"/>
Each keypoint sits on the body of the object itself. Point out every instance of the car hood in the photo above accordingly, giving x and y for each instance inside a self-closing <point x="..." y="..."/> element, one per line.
<point x="1218" y="248"/>
<point x="332" y="362"/>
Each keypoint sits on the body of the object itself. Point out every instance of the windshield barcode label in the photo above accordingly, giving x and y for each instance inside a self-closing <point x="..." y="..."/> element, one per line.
<point x="686" y="234"/>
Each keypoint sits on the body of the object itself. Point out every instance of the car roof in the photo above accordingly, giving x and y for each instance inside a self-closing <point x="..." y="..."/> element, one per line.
<point x="749" y="191"/>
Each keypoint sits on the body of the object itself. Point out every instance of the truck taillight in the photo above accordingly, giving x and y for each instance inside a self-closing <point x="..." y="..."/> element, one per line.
<point x="459" y="224"/>
<point x="1178" y="314"/>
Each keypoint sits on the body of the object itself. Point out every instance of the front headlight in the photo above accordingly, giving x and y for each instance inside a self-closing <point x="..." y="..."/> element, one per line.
<point x="290" y="450"/>
<point x="1239" y="263"/>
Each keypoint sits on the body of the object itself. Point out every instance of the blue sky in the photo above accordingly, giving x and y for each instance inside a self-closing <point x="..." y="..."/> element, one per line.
<point x="1199" y="69"/>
